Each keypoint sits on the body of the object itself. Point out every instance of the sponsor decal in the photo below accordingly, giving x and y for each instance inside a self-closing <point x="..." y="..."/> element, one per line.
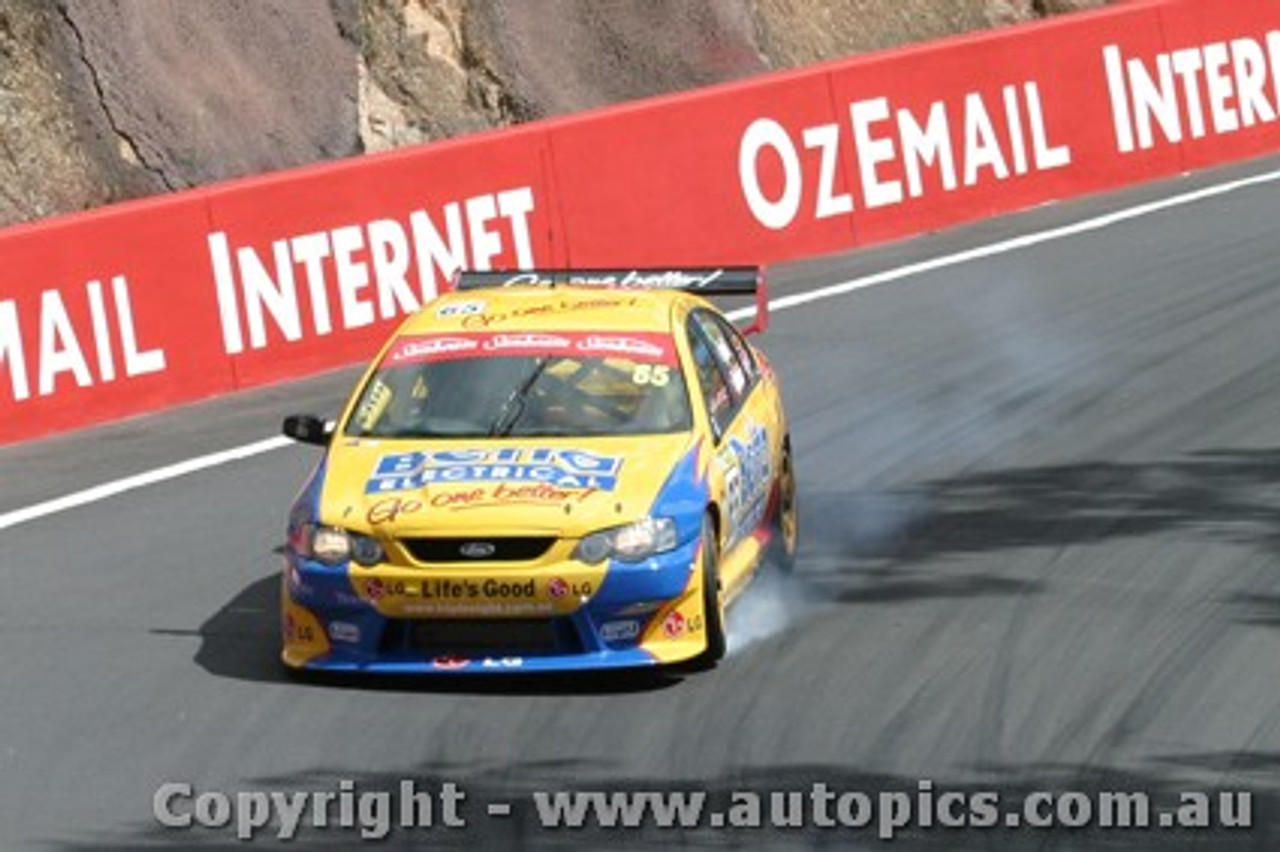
<point x="748" y="467"/>
<point x="559" y="467"/>
<point x="452" y="596"/>
<point x="344" y="631"/>
<point x="453" y="664"/>
<point x="374" y="404"/>
<point x="673" y="626"/>
<point x="478" y="608"/>
<point x="390" y="509"/>
<point x="630" y="346"/>
<point x="508" y="495"/>
<point x="460" y="309"/>
<point x="637" y="346"/>
<point x="664" y="279"/>
<point x="296" y="631"/>
<point x="376" y="588"/>
<point x="502" y="662"/>
<point x="487" y="319"/>
<point x="413" y="349"/>
<point x="560" y="588"/>
<point x="504" y="342"/>
<point x="620" y="631"/>
<point x="491" y="589"/>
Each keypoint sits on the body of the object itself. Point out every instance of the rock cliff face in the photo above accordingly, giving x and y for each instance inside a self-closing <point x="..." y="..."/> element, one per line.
<point x="102" y="100"/>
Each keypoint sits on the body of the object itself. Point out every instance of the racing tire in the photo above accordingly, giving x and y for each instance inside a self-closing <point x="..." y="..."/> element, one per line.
<point x="785" y="537"/>
<point x="712" y="597"/>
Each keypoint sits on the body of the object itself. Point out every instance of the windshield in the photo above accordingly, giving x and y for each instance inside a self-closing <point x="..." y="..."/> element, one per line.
<point x="489" y="385"/>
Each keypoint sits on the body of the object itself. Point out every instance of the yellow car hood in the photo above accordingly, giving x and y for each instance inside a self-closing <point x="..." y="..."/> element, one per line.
<point x="536" y="486"/>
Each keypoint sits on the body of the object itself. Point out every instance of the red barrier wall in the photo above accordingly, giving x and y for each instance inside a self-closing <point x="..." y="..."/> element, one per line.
<point x="354" y="248"/>
<point x="658" y="182"/>
<point x="148" y="304"/>
<point x="99" y="318"/>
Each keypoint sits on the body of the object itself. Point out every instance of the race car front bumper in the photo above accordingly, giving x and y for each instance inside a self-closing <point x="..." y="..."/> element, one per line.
<point x="563" y="617"/>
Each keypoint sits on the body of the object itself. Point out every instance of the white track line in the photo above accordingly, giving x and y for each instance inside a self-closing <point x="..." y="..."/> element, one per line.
<point x="141" y="480"/>
<point x="782" y="303"/>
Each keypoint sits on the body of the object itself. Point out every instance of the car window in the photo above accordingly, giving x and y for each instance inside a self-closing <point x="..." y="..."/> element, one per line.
<point x="477" y="385"/>
<point x="722" y="348"/>
<point x="741" y="351"/>
<point x="735" y="355"/>
<point x="717" y="394"/>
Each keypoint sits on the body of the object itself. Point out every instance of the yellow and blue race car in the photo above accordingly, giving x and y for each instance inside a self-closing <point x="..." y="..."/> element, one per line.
<point x="544" y="470"/>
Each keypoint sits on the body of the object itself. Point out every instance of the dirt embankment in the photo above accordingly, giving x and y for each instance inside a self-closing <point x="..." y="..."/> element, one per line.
<point x="102" y="100"/>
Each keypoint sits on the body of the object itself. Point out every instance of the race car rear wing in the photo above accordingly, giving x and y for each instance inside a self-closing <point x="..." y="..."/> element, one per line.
<point x="703" y="280"/>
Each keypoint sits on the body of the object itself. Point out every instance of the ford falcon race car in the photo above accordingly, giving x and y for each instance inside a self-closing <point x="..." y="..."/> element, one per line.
<point x="544" y="470"/>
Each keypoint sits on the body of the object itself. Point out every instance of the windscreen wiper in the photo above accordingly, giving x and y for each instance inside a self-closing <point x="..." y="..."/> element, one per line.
<point x="513" y="407"/>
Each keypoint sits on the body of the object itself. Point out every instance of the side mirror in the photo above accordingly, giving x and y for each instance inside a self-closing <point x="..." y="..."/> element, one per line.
<point x="308" y="429"/>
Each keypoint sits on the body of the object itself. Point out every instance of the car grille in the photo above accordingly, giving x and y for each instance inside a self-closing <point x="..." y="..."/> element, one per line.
<point x="506" y="549"/>
<point x="482" y="636"/>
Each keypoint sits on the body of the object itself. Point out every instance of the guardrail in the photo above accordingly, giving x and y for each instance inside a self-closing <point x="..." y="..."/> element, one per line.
<point x="152" y="303"/>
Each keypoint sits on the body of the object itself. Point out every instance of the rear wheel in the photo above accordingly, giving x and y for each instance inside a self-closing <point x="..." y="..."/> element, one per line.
<point x="786" y="526"/>
<point x="712" y="595"/>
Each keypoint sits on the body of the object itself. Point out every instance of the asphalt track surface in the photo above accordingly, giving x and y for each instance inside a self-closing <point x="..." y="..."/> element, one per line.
<point x="1041" y="497"/>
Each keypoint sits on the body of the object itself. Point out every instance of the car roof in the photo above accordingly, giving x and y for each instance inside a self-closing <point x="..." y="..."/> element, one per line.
<point x="541" y="308"/>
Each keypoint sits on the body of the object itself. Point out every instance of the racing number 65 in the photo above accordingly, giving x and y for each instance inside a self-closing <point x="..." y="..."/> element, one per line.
<point x="651" y="374"/>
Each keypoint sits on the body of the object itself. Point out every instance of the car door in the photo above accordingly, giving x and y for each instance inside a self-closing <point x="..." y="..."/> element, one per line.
<point x="740" y="418"/>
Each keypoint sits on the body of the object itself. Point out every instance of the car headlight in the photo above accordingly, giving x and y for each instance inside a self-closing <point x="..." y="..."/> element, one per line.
<point x="333" y="545"/>
<point x="629" y="543"/>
